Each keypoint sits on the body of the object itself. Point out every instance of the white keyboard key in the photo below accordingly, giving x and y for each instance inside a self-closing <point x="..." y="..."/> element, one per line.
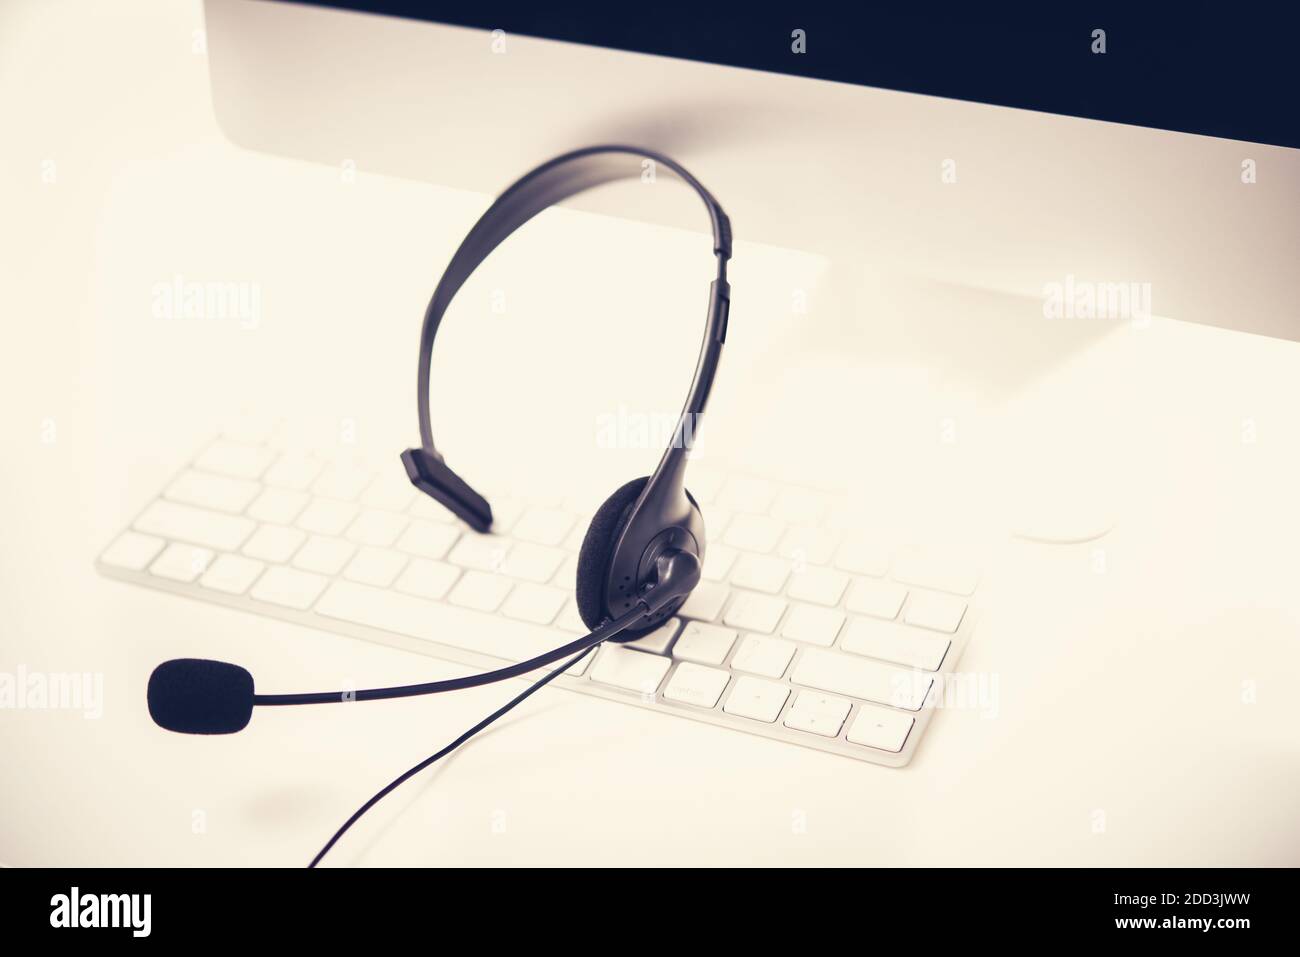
<point x="324" y="555"/>
<point x="235" y="459"/>
<point x="274" y="543"/>
<point x="570" y="621"/>
<point x="863" y="556"/>
<point x="231" y="574"/>
<point x="630" y="670"/>
<point x="373" y="527"/>
<point x="657" y="641"/>
<point x="327" y="516"/>
<point x="427" y="579"/>
<point x="808" y="546"/>
<point x="428" y="539"/>
<point x="375" y="566"/>
<point x="505" y="513"/>
<point x="880" y="728"/>
<point x="182" y="563"/>
<point x="279" y="506"/>
<point x="430" y="509"/>
<point x="391" y="490"/>
<point x="768" y="657"/>
<point x="753" y="533"/>
<point x="944" y="572"/>
<point x="566" y="576"/>
<point x="798" y="506"/>
<point x="536" y="603"/>
<point x="705" y="644"/>
<point x="878" y="599"/>
<point x="534" y="563"/>
<point x="484" y="553"/>
<point x="481" y="591"/>
<point x="816" y="626"/>
<point x="132" y="551"/>
<point x="717" y="561"/>
<point x="696" y="685"/>
<point x="894" y="642"/>
<point x="212" y="491"/>
<point x="756" y="699"/>
<point x="818" y="584"/>
<point x="407" y="615"/>
<point x="761" y="573"/>
<point x="861" y="678"/>
<point x="543" y="526"/>
<point x="212" y="529"/>
<point x="285" y="586"/>
<point x="343" y="480"/>
<point x="293" y="471"/>
<point x="706" y="602"/>
<point x="936" y="612"/>
<point x="743" y="494"/>
<point x="751" y="612"/>
<point x="818" y="714"/>
<point x="715" y="524"/>
<point x="705" y="482"/>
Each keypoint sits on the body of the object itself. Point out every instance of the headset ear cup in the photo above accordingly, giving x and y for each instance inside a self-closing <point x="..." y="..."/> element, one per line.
<point x="597" y="552"/>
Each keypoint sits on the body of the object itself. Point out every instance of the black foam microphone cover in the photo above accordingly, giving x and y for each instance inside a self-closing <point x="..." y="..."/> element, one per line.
<point x="198" y="696"/>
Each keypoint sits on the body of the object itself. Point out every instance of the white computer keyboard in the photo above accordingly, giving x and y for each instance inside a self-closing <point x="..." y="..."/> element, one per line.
<point x="798" y="632"/>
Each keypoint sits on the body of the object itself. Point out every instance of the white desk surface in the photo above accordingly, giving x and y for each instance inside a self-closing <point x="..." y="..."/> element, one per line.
<point x="1147" y="715"/>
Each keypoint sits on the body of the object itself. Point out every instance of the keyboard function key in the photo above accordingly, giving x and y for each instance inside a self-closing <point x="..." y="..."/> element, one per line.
<point x="880" y="728"/>
<point x="327" y="516"/>
<point x="891" y="641"/>
<point x="756" y="699"/>
<point x="936" y="612"/>
<point x="182" y="563"/>
<point x="877" y="599"/>
<point x="481" y="591"/>
<point x="289" y="587"/>
<point x="818" y="714"/>
<point x="764" y="573"/>
<point x="754" y="612"/>
<point x="630" y="670"/>
<point x="696" y="685"/>
<point x="704" y="644"/>
<point x="325" y="556"/>
<point x="202" y="527"/>
<point x="231" y="574"/>
<point x="132" y="551"/>
<point x="280" y="506"/>
<point x="219" y="492"/>
<point x="529" y="601"/>
<point x="274" y="543"/>
<point x="426" y="578"/>
<point x="768" y="657"/>
<point x="818" y="584"/>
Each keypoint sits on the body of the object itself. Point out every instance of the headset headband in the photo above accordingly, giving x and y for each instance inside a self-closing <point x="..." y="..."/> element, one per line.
<point x="548" y="184"/>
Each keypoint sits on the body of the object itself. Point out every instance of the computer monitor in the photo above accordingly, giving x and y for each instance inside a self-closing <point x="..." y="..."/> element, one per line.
<point x="990" y="197"/>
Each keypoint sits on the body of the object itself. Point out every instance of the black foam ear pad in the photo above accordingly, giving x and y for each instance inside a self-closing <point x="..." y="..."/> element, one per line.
<point x="597" y="552"/>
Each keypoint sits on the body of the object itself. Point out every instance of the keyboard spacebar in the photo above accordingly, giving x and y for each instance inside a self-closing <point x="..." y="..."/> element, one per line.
<point x="860" y="678"/>
<point x="446" y="624"/>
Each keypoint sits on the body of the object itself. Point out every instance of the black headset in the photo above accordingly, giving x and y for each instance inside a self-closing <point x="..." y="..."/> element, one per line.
<point x="643" y="551"/>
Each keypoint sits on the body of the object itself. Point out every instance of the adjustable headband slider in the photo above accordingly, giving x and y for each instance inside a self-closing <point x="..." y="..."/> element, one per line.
<point x="430" y="475"/>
